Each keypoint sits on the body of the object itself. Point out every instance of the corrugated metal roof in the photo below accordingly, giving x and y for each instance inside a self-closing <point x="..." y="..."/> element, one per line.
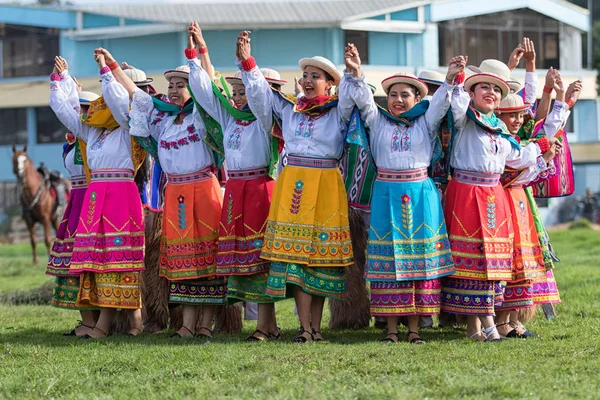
<point x="216" y="14"/>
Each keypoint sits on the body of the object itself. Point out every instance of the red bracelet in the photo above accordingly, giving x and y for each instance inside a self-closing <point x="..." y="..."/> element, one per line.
<point x="113" y="65"/>
<point x="191" y="54"/>
<point x="55" y="77"/>
<point x="547" y="89"/>
<point x="544" y="144"/>
<point x="203" y="50"/>
<point x="248" y="64"/>
<point x="570" y="103"/>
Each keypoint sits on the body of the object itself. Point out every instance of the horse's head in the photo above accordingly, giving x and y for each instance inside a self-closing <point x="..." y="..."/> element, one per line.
<point x="20" y="162"/>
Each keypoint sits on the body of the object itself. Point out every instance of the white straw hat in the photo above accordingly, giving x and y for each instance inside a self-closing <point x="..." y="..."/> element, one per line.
<point x="138" y="76"/>
<point x="236" y="79"/>
<point x="272" y="76"/>
<point x="179" y="72"/>
<point x="409" y="79"/>
<point x="324" y="64"/>
<point x="490" y="71"/>
<point x="87" y="97"/>
<point x="512" y="103"/>
<point x="432" y="77"/>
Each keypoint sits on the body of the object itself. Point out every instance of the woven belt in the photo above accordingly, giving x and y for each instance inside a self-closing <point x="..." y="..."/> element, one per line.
<point x="78" y="181"/>
<point x="247" y="174"/>
<point x="198" y="176"/>
<point x="476" y="178"/>
<point x="112" y="175"/>
<point x="309" y="162"/>
<point x="409" y="175"/>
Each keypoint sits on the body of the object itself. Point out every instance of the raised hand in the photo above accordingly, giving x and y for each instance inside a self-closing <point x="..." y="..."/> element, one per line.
<point x="515" y="57"/>
<point x="243" y="46"/>
<point x="100" y="59"/>
<point x="107" y="56"/>
<point x="550" y="78"/>
<point x="456" y="66"/>
<point x="529" y="51"/>
<point x="190" y="42"/>
<point x="197" y="34"/>
<point x="125" y="66"/>
<point x="61" y="64"/>
<point x="574" y="91"/>
<point x="352" y="59"/>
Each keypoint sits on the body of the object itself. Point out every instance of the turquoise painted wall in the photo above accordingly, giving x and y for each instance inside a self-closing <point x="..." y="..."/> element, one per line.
<point x="586" y="121"/>
<point x="402" y="49"/>
<point x="99" y="21"/>
<point x="36" y="16"/>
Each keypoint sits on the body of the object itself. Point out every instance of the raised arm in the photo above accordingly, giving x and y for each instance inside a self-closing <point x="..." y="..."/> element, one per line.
<point x="530" y="75"/>
<point x="115" y="95"/>
<point x="67" y="83"/>
<point x="118" y="72"/>
<point x="543" y="107"/>
<point x="198" y="39"/>
<point x="64" y="111"/>
<point x="261" y="99"/>
<point x="201" y="83"/>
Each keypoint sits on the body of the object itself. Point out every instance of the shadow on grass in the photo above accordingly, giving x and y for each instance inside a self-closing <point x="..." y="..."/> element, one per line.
<point x="53" y="338"/>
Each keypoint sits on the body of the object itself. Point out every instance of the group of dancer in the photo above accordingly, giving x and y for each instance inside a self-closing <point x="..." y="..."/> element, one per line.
<point x="281" y="229"/>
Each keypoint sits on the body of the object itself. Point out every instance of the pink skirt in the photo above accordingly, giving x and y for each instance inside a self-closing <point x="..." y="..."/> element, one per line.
<point x="110" y="235"/>
<point x="62" y="249"/>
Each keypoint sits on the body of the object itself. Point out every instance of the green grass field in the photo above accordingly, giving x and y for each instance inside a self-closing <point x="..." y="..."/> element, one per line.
<point x="37" y="362"/>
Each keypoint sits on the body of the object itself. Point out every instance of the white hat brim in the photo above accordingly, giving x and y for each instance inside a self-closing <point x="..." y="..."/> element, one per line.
<point x="335" y="74"/>
<point x="487" y="78"/>
<point x="276" y="81"/>
<point x="234" y="81"/>
<point x="387" y="83"/>
<point x="176" y="74"/>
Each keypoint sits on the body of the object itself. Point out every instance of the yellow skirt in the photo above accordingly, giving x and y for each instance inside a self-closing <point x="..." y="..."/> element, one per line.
<point x="308" y="220"/>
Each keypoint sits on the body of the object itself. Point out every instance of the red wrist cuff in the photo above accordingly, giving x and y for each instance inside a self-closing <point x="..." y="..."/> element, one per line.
<point x="203" y="50"/>
<point x="248" y="64"/>
<point x="547" y="89"/>
<point x="191" y="54"/>
<point x="113" y="65"/>
<point x="570" y="103"/>
<point x="55" y="77"/>
<point x="544" y="144"/>
<point x="460" y="78"/>
<point x="104" y="70"/>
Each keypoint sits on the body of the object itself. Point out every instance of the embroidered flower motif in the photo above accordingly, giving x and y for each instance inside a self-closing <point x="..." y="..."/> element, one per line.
<point x="117" y="241"/>
<point x="296" y="197"/>
<point x="258" y="243"/>
<point x="191" y="128"/>
<point x="181" y="199"/>
<point x="491" y="212"/>
<point x="323" y="236"/>
<point x="439" y="246"/>
<point x="93" y="196"/>
<point x="192" y="137"/>
<point x="406" y="199"/>
<point x="299" y="185"/>
<point x="521" y="205"/>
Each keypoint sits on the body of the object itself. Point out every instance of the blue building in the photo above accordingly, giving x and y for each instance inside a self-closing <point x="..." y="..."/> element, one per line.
<point x="392" y="36"/>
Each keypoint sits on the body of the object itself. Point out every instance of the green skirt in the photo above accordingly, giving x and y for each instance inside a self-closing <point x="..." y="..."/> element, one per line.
<point x="64" y="293"/>
<point x="249" y="288"/>
<point x="324" y="282"/>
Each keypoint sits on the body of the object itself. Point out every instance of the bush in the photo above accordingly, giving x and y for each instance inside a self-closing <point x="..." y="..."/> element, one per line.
<point x="581" y="223"/>
<point x="41" y="295"/>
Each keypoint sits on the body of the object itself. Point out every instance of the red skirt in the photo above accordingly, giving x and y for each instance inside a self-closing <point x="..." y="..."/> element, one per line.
<point x="479" y="226"/>
<point x="528" y="261"/>
<point x="246" y="207"/>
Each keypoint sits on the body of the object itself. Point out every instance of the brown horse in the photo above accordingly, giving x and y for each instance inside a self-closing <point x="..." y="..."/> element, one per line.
<point x="39" y="204"/>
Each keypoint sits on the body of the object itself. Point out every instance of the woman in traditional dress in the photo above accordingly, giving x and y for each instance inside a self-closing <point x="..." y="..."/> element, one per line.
<point x="249" y="147"/>
<point x="108" y="252"/>
<point x="64" y="294"/>
<point x="476" y="210"/>
<point x="193" y="197"/>
<point x="408" y="249"/>
<point x="307" y="236"/>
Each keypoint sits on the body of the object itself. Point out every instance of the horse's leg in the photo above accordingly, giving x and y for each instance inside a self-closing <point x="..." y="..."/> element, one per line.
<point x="47" y="235"/>
<point x="31" y="228"/>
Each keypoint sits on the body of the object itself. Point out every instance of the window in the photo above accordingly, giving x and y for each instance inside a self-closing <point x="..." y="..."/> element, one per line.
<point x="496" y="35"/>
<point x="49" y="128"/>
<point x="361" y="41"/>
<point x="27" y="50"/>
<point x="13" y="129"/>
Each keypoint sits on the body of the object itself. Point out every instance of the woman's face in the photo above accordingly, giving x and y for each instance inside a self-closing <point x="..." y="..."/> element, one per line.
<point x="486" y="97"/>
<point x="178" y="92"/>
<point x="401" y="98"/>
<point x="315" y="82"/>
<point x="513" y="121"/>
<point x="238" y="95"/>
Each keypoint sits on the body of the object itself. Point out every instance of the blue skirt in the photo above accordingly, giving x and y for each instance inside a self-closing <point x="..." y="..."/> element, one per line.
<point x="407" y="237"/>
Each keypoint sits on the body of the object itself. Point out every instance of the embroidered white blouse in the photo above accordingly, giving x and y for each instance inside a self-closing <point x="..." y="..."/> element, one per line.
<point x="72" y="168"/>
<point x="105" y="149"/>
<point x="321" y="136"/>
<point x="181" y="149"/>
<point x="474" y="149"/>
<point x="246" y="143"/>
<point x="396" y="146"/>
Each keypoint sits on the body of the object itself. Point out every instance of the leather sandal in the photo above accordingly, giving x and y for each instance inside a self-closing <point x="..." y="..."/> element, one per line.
<point x="254" y="338"/>
<point x="303" y="339"/>
<point x="177" y="334"/>
<point x="204" y="335"/>
<point x="390" y="338"/>
<point x="415" y="340"/>
<point x="79" y="324"/>
<point x="88" y="336"/>
<point x="316" y="332"/>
